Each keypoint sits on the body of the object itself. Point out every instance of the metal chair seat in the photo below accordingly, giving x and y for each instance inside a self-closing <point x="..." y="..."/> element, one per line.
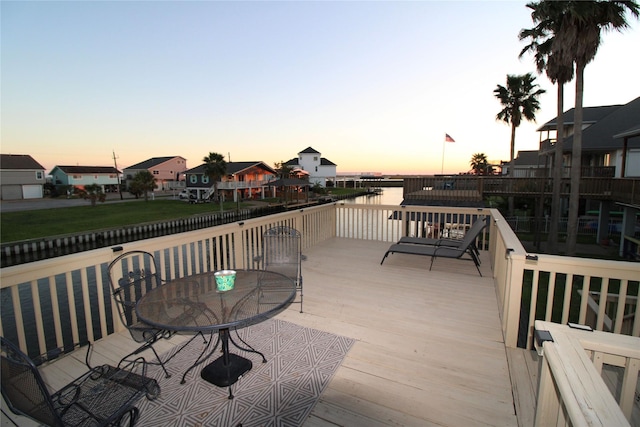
<point x="104" y="395"/>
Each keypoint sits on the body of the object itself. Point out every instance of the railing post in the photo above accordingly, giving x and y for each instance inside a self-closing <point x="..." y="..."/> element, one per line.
<point x="513" y="296"/>
<point x="547" y="404"/>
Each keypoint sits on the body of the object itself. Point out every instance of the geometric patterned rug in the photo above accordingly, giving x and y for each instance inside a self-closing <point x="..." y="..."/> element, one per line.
<point x="280" y="393"/>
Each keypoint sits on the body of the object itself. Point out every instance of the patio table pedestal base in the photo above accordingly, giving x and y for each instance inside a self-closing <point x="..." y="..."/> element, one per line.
<point x="226" y="374"/>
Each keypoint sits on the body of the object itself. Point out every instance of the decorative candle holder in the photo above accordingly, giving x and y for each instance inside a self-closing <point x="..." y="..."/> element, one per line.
<point x="225" y="280"/>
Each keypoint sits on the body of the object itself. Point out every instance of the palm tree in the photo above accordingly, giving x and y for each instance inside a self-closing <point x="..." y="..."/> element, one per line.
<point x="143" y="182"/>
<point x="93" y="193"/>
<point x="480" y="165"/>
<point x="519" y="99"/>
<point x="215" y="168"/>
<point x="547" y="15"/>
<point x="577" y="40"/>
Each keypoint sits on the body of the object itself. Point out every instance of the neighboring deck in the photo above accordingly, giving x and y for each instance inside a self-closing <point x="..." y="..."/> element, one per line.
<point x="429" y="347"/>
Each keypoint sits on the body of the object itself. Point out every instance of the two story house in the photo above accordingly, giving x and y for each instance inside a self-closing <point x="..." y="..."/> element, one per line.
<point x="21" y="177"/>
<point x="526" y="164"/>
<point x="610" y="148"/>
<point x="168" y="171"/>
<point x="244" y="180"/>
<point x="79" y="176"/>
<point x="609" y="145"/>
<point x="320" y="170"/>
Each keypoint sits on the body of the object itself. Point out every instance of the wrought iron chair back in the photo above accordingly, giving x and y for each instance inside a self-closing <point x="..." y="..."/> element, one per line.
<point x="282" y="253"/>
<point x="131" y="276"/>
<point x="104" y="395"/>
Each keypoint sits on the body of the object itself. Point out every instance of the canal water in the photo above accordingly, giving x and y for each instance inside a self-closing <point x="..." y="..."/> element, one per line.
<point x="389" y="196"/>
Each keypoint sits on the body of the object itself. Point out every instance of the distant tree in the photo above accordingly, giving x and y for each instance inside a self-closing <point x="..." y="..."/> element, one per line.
<point x="142" y="183"/>
<point x="282" y="169"/>
<point x="135" y="189"/>
<point x="480" y="165"/>
<point x="519" y="99"/>
<point x="215" y="167"/>
<point x="93" y="193"/>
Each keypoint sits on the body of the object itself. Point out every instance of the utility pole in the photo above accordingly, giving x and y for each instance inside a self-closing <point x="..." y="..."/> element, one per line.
<point x="115" y="163"/>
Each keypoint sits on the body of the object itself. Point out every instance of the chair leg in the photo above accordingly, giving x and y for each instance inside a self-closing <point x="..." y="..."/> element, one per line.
<point x="476" y="260"/>
<point x="300" y="295"/>
<point x="140" y="350"/>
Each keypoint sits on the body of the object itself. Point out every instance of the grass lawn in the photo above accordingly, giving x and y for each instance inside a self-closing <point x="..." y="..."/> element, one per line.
<point x="17" y="226"/>
<point x="25" y="225"/>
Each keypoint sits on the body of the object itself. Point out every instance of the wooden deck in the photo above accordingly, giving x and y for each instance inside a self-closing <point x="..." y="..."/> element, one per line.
<point x="429" y="348"/>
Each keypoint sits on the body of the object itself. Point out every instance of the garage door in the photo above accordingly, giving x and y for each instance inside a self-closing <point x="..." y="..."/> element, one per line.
<point x="11" y="192"/>
<point x="32" y="191"/>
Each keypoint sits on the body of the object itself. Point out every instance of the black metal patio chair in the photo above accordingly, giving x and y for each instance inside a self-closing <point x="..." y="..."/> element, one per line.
<point x="282" y="253"/>
<point x="102" y="396"/>
<point x="132" y="275"/>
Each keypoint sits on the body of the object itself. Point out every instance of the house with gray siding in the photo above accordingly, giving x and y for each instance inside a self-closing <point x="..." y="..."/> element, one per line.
<point x="610" y="138"/>
<point x="21" y="177"/>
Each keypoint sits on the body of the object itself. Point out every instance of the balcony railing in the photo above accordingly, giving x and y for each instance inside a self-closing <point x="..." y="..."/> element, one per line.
<point x="238" y="185"/>
<point x="49" y="303"/>
<point x="471" y="187"/>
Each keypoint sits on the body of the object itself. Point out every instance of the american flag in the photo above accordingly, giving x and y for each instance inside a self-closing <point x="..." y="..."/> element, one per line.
<point x="447" y="138"/>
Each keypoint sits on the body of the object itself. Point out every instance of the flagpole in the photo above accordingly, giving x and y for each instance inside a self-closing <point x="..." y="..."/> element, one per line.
<point x="444" y="142"/>
<point x="447" y="138"/>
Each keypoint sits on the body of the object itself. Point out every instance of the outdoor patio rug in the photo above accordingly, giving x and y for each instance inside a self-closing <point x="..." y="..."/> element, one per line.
<point x="282" y="392"/>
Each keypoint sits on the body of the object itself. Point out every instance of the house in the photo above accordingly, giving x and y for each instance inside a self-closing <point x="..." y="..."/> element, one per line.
<point x="526" y="164"/>
<point x="79" y="176"/>
<point x="605" y="130"/>
<point x="320" y="170"/>
<point x="244" y="180"/>
<point x="168" y="171"/>
<point x="21" y="177"/>
<point x="610" y="148"/>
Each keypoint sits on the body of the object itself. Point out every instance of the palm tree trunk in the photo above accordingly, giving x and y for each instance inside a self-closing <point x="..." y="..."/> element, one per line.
<point x="552" y="240"/>
<point x="576" y="166"/>
<point x="217" y="193"/>
<point x="511" y="171"/>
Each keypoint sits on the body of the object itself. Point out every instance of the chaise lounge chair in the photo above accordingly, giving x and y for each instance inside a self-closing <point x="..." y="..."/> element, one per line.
<point x="475" y="230"/>
<point x="466" y="246"/>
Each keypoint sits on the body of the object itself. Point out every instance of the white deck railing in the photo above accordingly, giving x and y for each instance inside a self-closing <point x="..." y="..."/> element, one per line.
<point x="571" y="390"/>
<point x="64" y="299"/>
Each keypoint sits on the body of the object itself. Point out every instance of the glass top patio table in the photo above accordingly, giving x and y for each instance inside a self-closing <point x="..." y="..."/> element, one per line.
<point x="193" y="303"/>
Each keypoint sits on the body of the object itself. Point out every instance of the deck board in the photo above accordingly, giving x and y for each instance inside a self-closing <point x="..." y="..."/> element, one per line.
<point x="429" y="348"/>
<point x="523" y="367"/>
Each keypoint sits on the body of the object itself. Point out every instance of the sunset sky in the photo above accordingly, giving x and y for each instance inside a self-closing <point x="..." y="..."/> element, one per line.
<point x="373" y="86"/>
